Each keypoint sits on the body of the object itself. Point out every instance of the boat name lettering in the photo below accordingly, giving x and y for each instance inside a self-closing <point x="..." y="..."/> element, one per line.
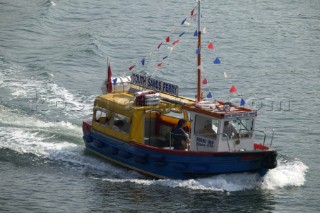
<point x="204" y="142"/>
<point x="154" y="84"/>
<point x="239" y="115"/>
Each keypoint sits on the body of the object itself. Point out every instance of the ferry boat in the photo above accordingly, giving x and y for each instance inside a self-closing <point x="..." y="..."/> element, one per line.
<point x="133" y="121"/>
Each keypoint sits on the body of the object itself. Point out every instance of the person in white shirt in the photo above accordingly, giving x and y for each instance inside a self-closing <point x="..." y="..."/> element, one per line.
<point x="230" y="130"/>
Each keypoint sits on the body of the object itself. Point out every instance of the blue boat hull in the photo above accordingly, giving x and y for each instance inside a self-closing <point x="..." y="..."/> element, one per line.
<point x="163" y="163"/>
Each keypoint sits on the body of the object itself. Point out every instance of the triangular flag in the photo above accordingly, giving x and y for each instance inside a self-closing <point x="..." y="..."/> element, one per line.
<point x="195" y="33"/>
<point x="198" y="51"/>
<point x="204" y="30"/>
<point x="187" y="23"/>
<point x="168" y="39"/>
<point x="233" y="89"/>
<point x="175" y="42"/>
<point x="209" y="95"/>
<point x="225" y="75"/>
<point x="159" y="45"/>
<point x="217" y="61"/>
<point x="142" y="61"/>
<point x="184" y="20"/>
<point x="131" y="68"/>
<point x="182" y="34"/>
<point x="115" y="81"/>
<point x="192" y="12"/>
<point x="210" y="45"/>
<point x="242" y="102"/>
<point x="204" y="81"/>
<point x="109" y="84"/>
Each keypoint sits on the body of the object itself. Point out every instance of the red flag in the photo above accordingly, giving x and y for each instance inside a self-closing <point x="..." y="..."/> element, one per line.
<point x="175" y="42"/>
<point x="160" y="64"/>
<point x="233" y="89"/>
<point x="159" y="45"/>
<point x="192" y="12"/>
<point x="131" y="68"/>
<point x="204" y="81"/>
<point x="168" y="39"/>
<point x="109" y="83"/>
<point x="210" y="45"/>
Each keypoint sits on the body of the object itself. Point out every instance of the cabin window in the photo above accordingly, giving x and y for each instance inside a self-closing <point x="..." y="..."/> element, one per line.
<point x="245" y="127"/>
<point x="239" y="128"/>
<point x="121" y="123"/>
<point x="206" y="126"/>
<point x="101" y="116"/>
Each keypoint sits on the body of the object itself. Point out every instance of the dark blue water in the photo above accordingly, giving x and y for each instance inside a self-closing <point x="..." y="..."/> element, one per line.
<point x="53" y="58"/>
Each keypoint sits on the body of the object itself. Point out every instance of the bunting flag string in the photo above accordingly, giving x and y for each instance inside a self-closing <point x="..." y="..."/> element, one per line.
<point x="167" y="40"/>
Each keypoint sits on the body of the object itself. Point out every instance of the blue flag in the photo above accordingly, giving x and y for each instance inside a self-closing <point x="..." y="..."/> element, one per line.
<point x="142" y="62"/>
<point x="242" y="102"/>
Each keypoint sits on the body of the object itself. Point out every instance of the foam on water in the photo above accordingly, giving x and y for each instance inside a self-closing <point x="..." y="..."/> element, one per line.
<point x="285" y="175"/>
<point x="41" y="93"/>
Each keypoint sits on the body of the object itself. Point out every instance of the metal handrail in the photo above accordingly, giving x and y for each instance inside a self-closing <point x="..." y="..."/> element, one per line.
<point x="265" y="134"/>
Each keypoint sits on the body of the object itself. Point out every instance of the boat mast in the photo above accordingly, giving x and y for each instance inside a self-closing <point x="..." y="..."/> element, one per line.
<point x="199" y="96"/>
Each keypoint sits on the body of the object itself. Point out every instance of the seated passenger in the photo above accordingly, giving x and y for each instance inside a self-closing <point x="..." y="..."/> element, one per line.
<point x="181" y="138"/>
<point x="207" y="129"/>
<point x="118" y="125"/>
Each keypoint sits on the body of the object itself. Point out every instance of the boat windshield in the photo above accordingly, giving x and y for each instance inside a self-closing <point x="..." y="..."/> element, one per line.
<point x="239" y="128"/>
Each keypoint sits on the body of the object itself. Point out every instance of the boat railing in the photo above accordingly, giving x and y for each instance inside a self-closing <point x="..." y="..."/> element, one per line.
<point x="264" y="133"/>
<point x="265" y="136"/>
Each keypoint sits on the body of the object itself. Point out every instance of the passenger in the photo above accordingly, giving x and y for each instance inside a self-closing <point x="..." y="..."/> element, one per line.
<point x="118" y="125"/>
<point x="230" y="130"/>
<point x="181" y="138"/>
<point x="207" y="129"/>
